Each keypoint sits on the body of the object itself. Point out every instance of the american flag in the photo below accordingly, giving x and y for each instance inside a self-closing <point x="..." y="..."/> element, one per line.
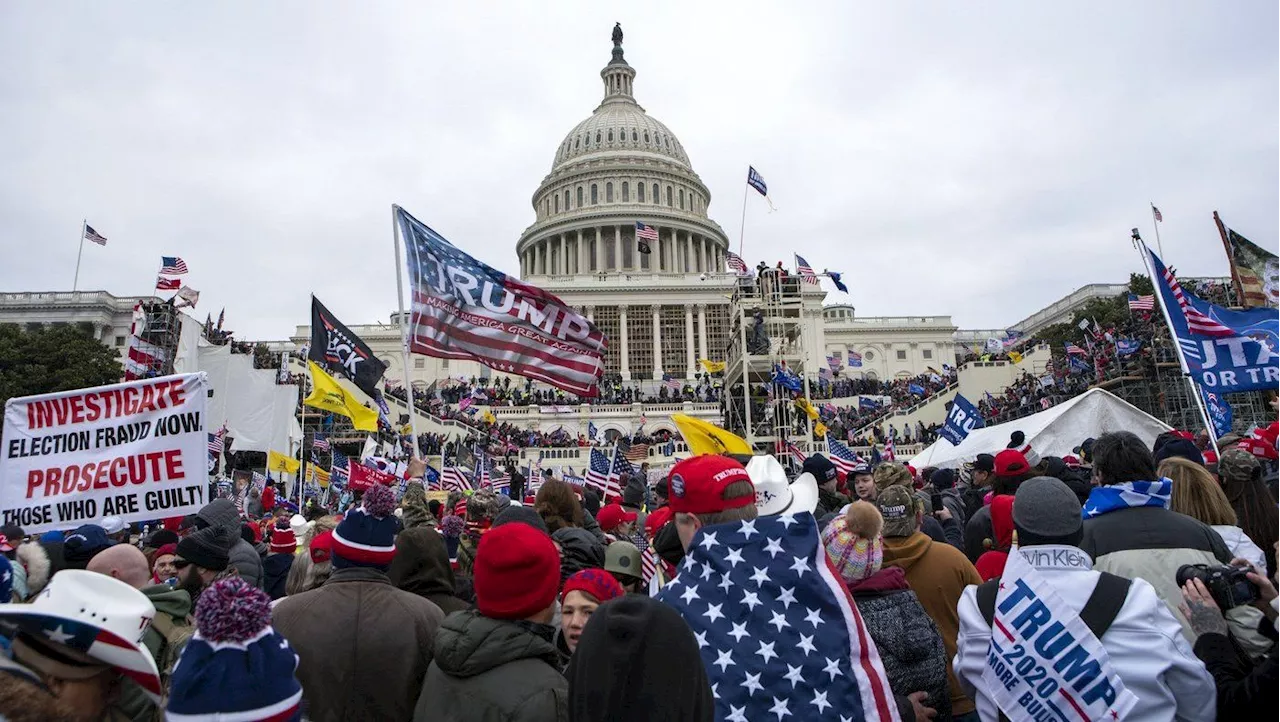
<point x="501" y="483"/>
<point x="94" y="236"/>
<point x="319" y="443"/>
<point x="216" y="445"/>
<point x="453" y="478"/>
<point x="833" y="362"/>
<point x="646" y="232"/>
<point x="842" y="456"/>
<point x="97" y="642"/>
<point x="736" y="264"/>
<point x="1141" y="303"/>
<point x="621" y="467"/>
<point x="889" y="454"/>
<point x="671" y="382"/>
<point x="648" y="564"/>
<point x="167" y="284"/>
<point x="1073" y="349"/>
<point x="598" y="471"/>
<point x="634" y="452"/>
<point x="339" y="461"/>
<point x="778" y="633"/>
<point x="805" y="270"/>
<point x="172" y="265"/>
<point x="1197" y="322"/>
<point x="482" y="472"/>
<point x="1155" y="213"/>
<point x="501" y="322"/>
<point x="855" y="360"/>
<point x="796" y="454"/>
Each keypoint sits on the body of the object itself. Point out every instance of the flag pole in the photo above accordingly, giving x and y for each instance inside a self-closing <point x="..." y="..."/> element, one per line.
<point x="1155" y="223"/>
<point x="75" y="283"/>
<point x="1173" y="337"/>
<point x="742" y="226"/>
<point x="404" y="330"/>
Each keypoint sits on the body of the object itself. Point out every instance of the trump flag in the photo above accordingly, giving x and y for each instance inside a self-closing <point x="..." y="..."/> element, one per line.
<point x="463" y="309"/>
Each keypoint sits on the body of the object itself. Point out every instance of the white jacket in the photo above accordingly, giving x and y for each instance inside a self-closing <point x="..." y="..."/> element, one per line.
<point x="1242" y="546"/>
<point x="1145" y="644"/>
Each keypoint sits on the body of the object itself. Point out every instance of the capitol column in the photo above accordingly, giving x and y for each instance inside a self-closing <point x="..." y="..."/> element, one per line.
<point x="623" y="353"/>
<point x="537" y="257"/>
<point x="701" y="265"/>
<point x="591" y="314"/>
<point x="582" y="256"/>
<point x="564" y="254"/>
<point x="702" y="331"/>
<point x="657" y="342"/>
<point x="617" y="249"/>
<point x="688" y="341"/>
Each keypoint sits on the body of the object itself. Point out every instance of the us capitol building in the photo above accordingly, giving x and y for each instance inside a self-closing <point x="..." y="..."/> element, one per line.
<point x="661" y="311"/>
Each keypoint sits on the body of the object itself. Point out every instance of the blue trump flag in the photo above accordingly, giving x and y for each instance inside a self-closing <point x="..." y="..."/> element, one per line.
<point x="778" y="632"/>
<point x="1078" y="365"/>
<point x="835" y="278"/>
<point x="1127" y="346"/>
<point x="1225" y="351"/>
<point x="755" y="180"/>
<point x="1220" y="412"/>
<point x="962" y="419"/>
<point x="786" y="378"/>
<point x="916" y="389"/>
<point x="867" y="404"/>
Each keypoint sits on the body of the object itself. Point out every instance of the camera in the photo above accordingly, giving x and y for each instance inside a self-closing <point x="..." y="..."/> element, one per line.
<point x="1228" y="586"/>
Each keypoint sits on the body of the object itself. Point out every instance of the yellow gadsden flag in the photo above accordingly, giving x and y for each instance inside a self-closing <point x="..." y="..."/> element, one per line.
<point x="712" y="367"/>
<point x="705" y="437"/>
<point x="282" y="463"/>
<point x="1015" y="357"/>
<point x="328" y="395"/>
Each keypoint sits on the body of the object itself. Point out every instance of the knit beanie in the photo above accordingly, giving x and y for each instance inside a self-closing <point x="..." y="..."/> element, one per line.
<point x="235" y="650"/>
<point x="522" y="514"/>
<point x="991" y="563"/>
<point x="209" y="547"/>
<point x="282" y="539"/>
<point x="366" y="537"/>
<point x="891" y="474"/>
<point x="516" y="572"/>
<point x="597" y="583"/>
<point x="855" y="554"/>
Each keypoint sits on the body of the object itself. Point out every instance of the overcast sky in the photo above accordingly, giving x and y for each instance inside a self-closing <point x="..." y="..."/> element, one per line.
<point x="973" y="159"/>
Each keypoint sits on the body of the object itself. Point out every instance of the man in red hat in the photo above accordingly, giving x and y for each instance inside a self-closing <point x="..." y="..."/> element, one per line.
<point x="708" y="490"/>
<point x="1011" y="469"/>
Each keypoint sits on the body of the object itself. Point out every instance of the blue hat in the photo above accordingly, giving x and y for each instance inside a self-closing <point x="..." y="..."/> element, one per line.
<point x="83" y="544"/>
<point x="236" y="666"/>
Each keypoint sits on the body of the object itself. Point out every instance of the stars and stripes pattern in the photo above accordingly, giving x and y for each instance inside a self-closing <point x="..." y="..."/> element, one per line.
<point x="453" y="478"/>
<point x="1074" y="350"/>
<point x="634" y="452"/>
<point x="833" y="362"/>
<point x="339" y="461"/>
<point x="216" y="445"/>
<point x="93" y="236"/>
<point x="646" y="232"/>
<point x="1197" y="322"/>
<point x="842" y="456"/>
<point x="796" y="454"/>
<point x="319" y="443"/>
<point x="1156" y="214"/>
<point x="172" y="265"/>
<point x="502" y="322"/>
<point x="889" y="451"/>
<point x="599" y="472"/>
<point x="736" y="264"/>
<point x="671" y="382"/>
<point x="1141" y="303"/>
<point x="805" y="270"/>
<point x="778" y="633"/>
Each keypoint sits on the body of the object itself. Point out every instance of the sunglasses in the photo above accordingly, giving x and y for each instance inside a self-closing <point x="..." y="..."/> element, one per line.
<point x="181" y="563"/>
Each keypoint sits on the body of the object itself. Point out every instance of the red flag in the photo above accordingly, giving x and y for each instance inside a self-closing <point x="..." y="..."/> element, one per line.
<point x="167" y="284"/>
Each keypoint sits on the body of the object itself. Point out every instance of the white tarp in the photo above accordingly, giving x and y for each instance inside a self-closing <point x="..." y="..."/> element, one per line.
<point x="190" y="339"/>
<point x="258" y="412"/>
<point x="1054" y="432"/>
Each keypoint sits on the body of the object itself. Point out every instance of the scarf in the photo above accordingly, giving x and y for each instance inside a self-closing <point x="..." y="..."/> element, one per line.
<point x="1128" y="494"/>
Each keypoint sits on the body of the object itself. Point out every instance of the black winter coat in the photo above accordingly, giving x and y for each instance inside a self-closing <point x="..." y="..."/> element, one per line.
<point x="275" y="572"/>
<point x="579" y="549"/>
<point x="490" y="670"/>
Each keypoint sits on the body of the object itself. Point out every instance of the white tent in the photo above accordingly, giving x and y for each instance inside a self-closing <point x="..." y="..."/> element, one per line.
<point x="1054" y="432"/>
<point x="258" y="412"/>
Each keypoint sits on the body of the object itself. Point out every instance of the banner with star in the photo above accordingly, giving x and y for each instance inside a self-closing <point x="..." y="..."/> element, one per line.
<point x="778" y="632"/>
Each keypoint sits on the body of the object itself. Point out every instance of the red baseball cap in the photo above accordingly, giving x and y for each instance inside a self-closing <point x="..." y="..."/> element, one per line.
<point x="611" y="515"/>
<point x="697" y="485"/>
<point x="656" y="520"/>
<point x="1011" y="462"/>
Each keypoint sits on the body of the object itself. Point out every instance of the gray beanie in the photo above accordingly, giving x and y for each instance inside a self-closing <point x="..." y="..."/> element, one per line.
<point x="1046" y="507"/>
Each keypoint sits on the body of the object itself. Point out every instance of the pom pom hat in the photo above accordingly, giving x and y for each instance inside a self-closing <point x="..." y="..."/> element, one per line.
<point x="236" y="666"/>
<point x="516" y="572"/>
<point x="366" y="537"/>
<point x="282" y="539"/>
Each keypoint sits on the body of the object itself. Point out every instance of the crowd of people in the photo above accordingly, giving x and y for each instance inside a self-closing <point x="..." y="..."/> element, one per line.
<point x="669" y="600"/>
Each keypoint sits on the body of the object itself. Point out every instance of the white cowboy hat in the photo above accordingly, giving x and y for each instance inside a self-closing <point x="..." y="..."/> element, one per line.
<point x="96" y="615"/>
<point x="774" y="495"/>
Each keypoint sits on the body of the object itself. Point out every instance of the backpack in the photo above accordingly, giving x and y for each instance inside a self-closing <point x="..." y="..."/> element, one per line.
<point x="174" y="635"/>
<point x="1098" y="613"/>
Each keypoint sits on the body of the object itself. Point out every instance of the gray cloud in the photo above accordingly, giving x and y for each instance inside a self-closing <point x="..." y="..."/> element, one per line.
<point x="977" y="161"/>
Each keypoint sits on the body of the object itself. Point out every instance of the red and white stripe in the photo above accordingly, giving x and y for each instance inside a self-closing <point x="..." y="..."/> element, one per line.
<point x="452" y="478"/>
<point x="1197" y="322"/>
<point x="873" y="682"/>
<point x="363" y="553"/>
<point x="736" y="264"/>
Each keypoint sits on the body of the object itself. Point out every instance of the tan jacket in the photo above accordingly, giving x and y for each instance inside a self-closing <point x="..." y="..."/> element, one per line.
<point x="363" y="646"/>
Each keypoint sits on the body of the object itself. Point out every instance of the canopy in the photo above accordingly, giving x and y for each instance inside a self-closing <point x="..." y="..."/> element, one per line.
<point x="1054" y="432"/>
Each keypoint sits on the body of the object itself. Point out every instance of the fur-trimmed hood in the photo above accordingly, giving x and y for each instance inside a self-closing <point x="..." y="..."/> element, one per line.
<point x="35" y="559"/>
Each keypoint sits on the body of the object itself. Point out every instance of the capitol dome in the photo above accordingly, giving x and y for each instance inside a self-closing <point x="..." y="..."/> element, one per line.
<point x="618" y="172"/>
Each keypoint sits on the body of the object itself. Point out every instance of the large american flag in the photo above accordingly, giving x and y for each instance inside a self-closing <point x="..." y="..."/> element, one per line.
<point x="1197" y="322"/>
<point x="463" y="309"/>
<point x="890" y="454"/>
<point x="779" y="635"/>
<point x="805" y="270"/>
<point x="855" y="359"/>
<point x="599" y="471"/>
<point x="319" y="443"/>
<point x="339" y="461"/>
<point x="1073" y="350"/>
<point x="1141" y="303"/>
<point x="736" y="264"/>
<point x="671" y="382"/>
<point x="842" y="456"/>
<point x="94" y="236"/>
<point x="453" y="478"/>
<point x="172" y="265"/>
<point x="646" y="232"/>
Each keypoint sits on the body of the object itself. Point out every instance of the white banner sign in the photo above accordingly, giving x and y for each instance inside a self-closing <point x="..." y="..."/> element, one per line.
<point x="135" y="450"/>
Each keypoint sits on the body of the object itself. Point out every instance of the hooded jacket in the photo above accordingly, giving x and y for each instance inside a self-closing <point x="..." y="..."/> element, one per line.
<point x="938" y="574"/>
<point x="421" y="566"/>
<point x="579" y="549"/>
<point x="36" y="559"/>
<point x="275" y="573"/>
<point x="246" y="560"/>
<point x="363" y="645"/>
<point x="910" y="645"/>
<point x="1143" y="643"/>
<point x="491" y="670"/>
<point x="636" y="661"/>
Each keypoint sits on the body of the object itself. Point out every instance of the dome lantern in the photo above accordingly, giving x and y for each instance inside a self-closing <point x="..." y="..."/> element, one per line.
<point x="618" y="76"/>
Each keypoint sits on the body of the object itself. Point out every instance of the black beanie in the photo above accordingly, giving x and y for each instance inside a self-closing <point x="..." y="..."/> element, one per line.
<point x="521" y="515"/>
<point x="943" y="479"/>
<point x="209" y="548"/>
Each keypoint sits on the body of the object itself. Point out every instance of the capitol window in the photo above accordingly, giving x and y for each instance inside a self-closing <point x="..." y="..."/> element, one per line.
<point x="656" y="197"/>
<point x="640" y="192"/>
<point x="902" y="355"/>
<point x="870" y="356"/>
<point x="669" y="196"/>
<point x="928" y="354"/>
<point x="611" y="135"/>
<point x="576" y="142"/>
<point x="557" y="203"/>
<point x="681" y="199"/>
<point x="579" y="196"/>
<point x="626" y="192"/>
<point x="597" y="137"/>
<point x="595" y="194"/>
<point x="634" y="137"/>
<point x="566" y="200"/>
<point x="608" y="192"/>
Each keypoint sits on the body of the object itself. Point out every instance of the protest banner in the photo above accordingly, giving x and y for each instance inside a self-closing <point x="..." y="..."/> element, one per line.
<point x="362" y="477"/>
<point x="961" y="419"/>
<point x="135" y="450"/>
